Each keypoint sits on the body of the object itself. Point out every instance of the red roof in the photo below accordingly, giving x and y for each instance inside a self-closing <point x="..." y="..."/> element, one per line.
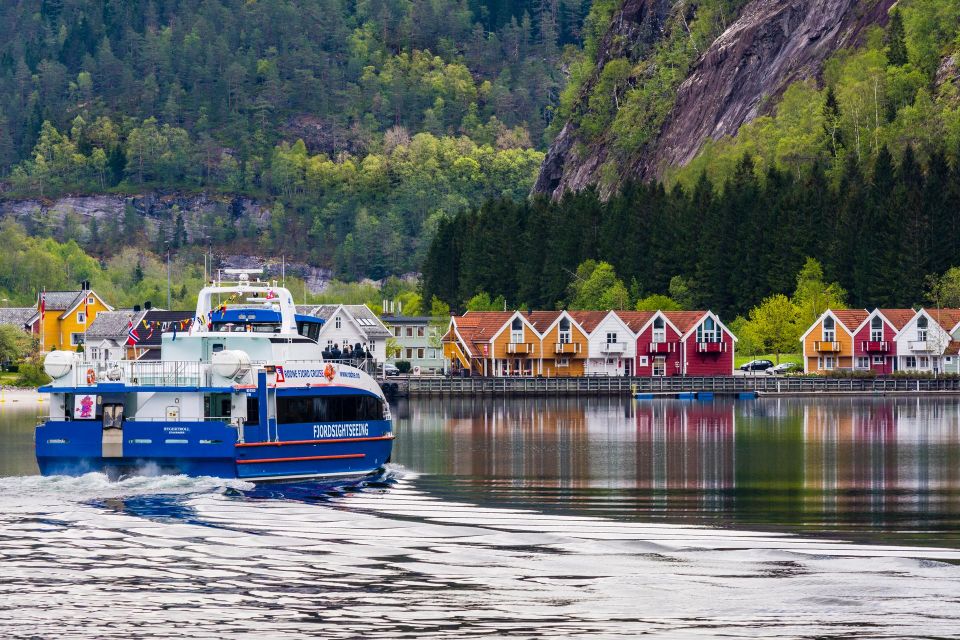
<point x="541" y="320"/>
<point x="946" y="318"/>
<point x="898" y="317"/>
<point x="850" y="318"/>
<point x="635" y="319"/>
<point x="684" y="320"/>
<point x="478" y="327"/>
<point x="589" y="320"/>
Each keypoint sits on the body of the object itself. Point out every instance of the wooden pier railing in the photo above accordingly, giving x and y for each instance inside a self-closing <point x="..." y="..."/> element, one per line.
<point x="723" y="385"/>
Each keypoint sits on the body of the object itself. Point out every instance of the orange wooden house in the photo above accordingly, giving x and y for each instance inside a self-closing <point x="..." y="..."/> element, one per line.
<point x="502" y="343"/>
<point x="829" y="343"/>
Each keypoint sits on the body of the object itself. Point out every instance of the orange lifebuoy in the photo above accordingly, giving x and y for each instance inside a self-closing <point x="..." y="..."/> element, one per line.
<point x="91" y="376"/>
<point x="329" y="372"/>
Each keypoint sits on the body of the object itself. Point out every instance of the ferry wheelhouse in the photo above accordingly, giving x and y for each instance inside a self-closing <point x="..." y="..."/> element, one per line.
<point x="243" y="393"/>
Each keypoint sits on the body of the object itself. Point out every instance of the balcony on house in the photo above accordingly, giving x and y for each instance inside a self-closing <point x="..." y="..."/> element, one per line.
<point x="567" y="348"/>
<point x="711" y="347"/>
<point x="826" y="346"/>
<point x="875" y="346"/>
<point x="920" y="345"/>
<point x="663" y="347"/>
<point x="520" y="348"/>
<point x="613" y="347"/>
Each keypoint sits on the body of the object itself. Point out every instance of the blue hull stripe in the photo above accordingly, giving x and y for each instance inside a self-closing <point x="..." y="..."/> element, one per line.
<point x="343" y="456"/>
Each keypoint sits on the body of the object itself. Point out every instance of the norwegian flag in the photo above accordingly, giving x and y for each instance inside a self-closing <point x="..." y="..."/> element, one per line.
<point x="43" y="305"/>
<point x="133" y="338"/>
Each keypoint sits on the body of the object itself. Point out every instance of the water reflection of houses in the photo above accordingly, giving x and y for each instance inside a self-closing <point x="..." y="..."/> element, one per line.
<point x="541" y="438"/>
<point x="685" y="445"/>
<point x="879" y="456"/>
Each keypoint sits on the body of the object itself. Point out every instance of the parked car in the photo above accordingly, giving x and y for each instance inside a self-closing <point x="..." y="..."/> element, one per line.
<point x="390" y="369"/>
<point x="756" y="365"/>
<point x="783" y="368"/>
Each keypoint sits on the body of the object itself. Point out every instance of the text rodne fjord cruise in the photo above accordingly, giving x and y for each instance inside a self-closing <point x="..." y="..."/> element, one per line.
<point x="246" y="398"/>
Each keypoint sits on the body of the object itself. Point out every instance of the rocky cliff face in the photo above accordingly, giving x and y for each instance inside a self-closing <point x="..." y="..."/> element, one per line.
<point x="154" y="207"/>
<point x="772" y="44"/>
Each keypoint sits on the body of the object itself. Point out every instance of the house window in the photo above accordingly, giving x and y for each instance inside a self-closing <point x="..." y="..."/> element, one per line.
<point x="420" y="353"/>
<point x="329" y="345"/>
<point x="396" y="332"/>
<point x="829" y="362"/>
<point x="910" y="362"/>
<point x="660" y="366"/>
<point x="829" y="330"/>
<point x="90" y="300"/>
<point x="337" y="322"/>
<point x="611" y="337"/>
<point x="708" y="331"/>
<point x="948" y="360"/>
<point x="659" y="331"/>
<point x="922" y="329"/>
<point x="644" y="361"/>
<point x="516" y="331"/>
<point x="863" y="362"/>
<point x="95" y="353"/>
<point x="565" y="331"/>
<point x="563" y="362"/>
<point x="409" y="354"/>
<point x="76" y="338"/>
<point x="81" y="318"/>
<point x="373" y="346"/>
<point x="409" y="332"/>
<point x="876" y="329"/>
<point x="924" y="362"/>
<point x="420" y="332"/>
<point x="877" y="359"/>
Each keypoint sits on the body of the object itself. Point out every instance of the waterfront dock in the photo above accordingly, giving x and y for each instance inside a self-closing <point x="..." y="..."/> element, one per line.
<point x="719" y="386"/>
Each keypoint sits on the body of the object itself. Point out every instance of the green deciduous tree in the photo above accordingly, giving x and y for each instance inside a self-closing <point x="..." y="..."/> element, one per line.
<point x="773" y="326"/>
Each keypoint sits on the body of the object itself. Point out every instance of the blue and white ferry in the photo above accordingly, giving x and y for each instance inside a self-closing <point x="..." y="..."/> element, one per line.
<point x="242" y="394"/>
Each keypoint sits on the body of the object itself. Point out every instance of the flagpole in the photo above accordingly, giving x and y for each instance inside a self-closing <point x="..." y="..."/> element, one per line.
<point x="43" y="313"/>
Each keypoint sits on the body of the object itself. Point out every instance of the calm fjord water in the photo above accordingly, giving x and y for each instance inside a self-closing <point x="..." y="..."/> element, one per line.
<point x="548" y="517"/>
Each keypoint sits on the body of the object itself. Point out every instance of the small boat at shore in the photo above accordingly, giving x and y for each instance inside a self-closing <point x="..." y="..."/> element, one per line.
<point x="243" y="392"/>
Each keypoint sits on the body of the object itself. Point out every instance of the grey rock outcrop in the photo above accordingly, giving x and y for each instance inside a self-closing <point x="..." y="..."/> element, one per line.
<point x="772" y="44"/>
<point x="156" y="208"/>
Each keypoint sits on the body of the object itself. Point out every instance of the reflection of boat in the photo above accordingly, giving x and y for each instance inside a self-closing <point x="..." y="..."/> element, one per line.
<point x="250" y="399"/>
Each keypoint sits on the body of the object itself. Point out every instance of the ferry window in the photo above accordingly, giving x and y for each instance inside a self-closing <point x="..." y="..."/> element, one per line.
<point x="217" y="348"/>
<point x="328" y="409"/>
<point x="253" y="410"/>
<point x="216" y="406"/>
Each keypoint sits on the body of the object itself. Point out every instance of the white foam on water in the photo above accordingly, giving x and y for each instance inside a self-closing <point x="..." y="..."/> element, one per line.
<point x="91" y="486"/>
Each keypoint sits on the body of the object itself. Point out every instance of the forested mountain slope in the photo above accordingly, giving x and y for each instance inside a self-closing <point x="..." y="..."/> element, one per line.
<point x="407" y="109"/>
<point x="708" y="150"/>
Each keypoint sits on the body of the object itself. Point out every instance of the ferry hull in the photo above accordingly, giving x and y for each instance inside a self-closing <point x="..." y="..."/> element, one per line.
<point x="208" y="449"/>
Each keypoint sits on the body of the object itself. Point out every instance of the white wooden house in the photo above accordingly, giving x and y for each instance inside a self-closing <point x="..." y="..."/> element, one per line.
<point x="612" y="349"/>
<point x="925" y="344"/>
<point x="350" y="325"/>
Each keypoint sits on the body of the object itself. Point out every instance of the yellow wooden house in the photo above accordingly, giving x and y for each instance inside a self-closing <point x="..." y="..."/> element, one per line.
<point x="66" y="316"/>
